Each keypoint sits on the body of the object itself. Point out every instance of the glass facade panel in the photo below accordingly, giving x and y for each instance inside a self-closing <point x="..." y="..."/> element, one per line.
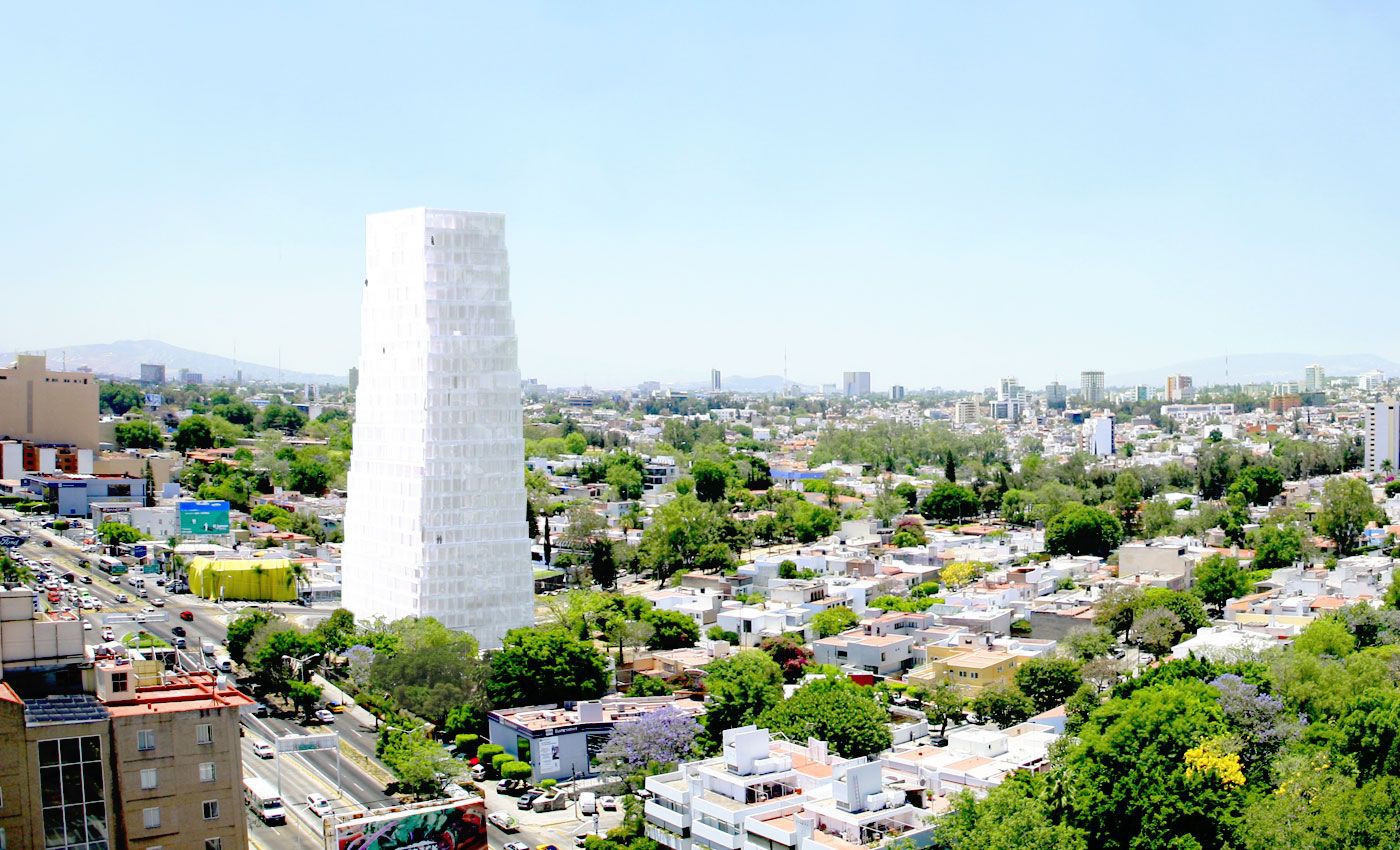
<point x="72" y="782"/>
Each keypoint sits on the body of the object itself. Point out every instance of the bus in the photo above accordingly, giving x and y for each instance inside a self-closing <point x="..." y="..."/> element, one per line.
<point x="262" y="798"/>
<point x="111" y="566"/>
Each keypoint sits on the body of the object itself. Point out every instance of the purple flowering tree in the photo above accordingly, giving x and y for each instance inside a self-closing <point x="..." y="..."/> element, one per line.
<point x="664" y="737"/>
<point x="1259" y="721"/>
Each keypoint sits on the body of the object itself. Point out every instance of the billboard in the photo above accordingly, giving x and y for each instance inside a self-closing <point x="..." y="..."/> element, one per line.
<point x="449" y="825"/>
<point x="303" y="743"/>
<point x="205" y="516"/>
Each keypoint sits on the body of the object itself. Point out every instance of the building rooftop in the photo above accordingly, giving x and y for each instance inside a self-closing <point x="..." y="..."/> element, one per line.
<point x="180" y="692"/>
<point x="63" y="708"/>
<point x="605" y="711"/>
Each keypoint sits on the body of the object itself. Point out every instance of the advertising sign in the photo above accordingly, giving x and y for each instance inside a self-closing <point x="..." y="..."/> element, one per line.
<point x="549" y="755"/>
<point x="305" y="743"/>
<point x="455" y="825"/>
<point x="205" y="516"/>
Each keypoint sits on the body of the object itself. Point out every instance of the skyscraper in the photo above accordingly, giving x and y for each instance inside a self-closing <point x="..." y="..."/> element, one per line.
<point x="715" y="381"/>
<point x="1382" y="437"/>
<point x="1091" y="387"/>
<point x="1314" y="379"/>
<point x="1056" y="394"/>
<point x="1179" y="388"/>
<point x="855" y="383"/>
<point x="435" y="524"/>
<point x="897" y="392"/>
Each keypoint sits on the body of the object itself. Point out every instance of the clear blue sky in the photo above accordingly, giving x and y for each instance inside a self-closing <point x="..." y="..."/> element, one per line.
<point x="938" y="193"/>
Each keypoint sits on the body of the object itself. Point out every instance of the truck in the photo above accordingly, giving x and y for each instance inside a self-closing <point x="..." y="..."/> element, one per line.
<point x="207" y="647"/>
<point x="223" y="661"/>
<point x="262" y="798"/>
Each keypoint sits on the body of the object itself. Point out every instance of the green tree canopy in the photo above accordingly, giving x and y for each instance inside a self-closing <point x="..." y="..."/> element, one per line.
<point x="542" y="666"/>
<point x="1219" y="579"/>
<point x="1082" y="530"/>
<point x="139" y="434"/>
<point x="739" y="689"/>
<point x="1048" y="681"/>
<point x="834" y="620"/>
<point x="835" y="710"/>
<point x="1347" y="508"/>
<point x="1002" y="705"/>
<point x="949" y="502"/>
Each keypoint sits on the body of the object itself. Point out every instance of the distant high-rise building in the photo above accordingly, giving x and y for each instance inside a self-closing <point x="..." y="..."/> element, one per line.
<point x="1056" y="394"/>
<point x="1287" y="388"/>
<point x="1314" y="379"/>
<point x="964" y="411"/>
<point x="1091" y="387"/>
<point x="188" y="377"/>
<point x="856" y="383"/>
<point x="897" y="392"/>
<point x="715" y="382"/>
<point x="1382" y="437"/>
<point x="353" y="379"/>
<point x="1010" y="389"/>
<point x="1140" y="392"/>
<point x="435" y="524"/>
<point x="1179" y="388"/>
<point x="1371" y="381"/>
<point x="43" y="406"/>
<point x="152" y="373"/>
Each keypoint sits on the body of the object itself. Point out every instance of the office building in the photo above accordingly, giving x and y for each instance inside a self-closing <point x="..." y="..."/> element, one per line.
<point x="188" y="377"/>
<point x="715" y="381"/>
<point x="107" y="748"/>
<point x="897" y="392"/>
<point x="42" y="406"/>
<point x="152" y="373"/>
<point x="1010" y="389"/>
<point x="435" y="521"/>
<point x="1007" y="410"/>
<point x="1097" y="434"/>
<point x="1056" y="395"/>
<point x="1314" y="379"/>
<point x="353" y="379"/>
<point x="1382" y="437"/>
<point x="1179" y="388"/>
<point x="1091" y="387"/>
<point x="964" y="412"/>
<point x="1371" y="381"/>
<point x="855" y="383"/>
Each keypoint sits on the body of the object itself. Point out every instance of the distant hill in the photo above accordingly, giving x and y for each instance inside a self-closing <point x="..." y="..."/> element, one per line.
<point x="123" y="359"/>
<point x="1255" y="369"/>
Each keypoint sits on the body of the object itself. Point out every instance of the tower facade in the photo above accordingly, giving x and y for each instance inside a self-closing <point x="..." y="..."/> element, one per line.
<point x="435" y="523"/>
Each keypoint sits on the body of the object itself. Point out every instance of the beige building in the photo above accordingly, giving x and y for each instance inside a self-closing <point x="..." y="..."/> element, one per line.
<point x="969" y="670"/>
<point x="42" y="406"/>
<point x="112" y="751"/>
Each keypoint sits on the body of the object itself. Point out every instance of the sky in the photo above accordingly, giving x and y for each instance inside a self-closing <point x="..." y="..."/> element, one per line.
<point x="937" y="193"/>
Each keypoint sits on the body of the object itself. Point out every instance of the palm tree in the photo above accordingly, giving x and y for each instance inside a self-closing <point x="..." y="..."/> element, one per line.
<point x="14" y="572"/>
<point x="296" y="575"/>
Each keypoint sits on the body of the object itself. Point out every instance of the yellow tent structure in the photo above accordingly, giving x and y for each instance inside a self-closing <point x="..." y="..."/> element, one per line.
<point x="251" y="579"/>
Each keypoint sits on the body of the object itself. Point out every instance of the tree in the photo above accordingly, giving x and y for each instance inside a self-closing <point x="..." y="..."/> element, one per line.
<point x="835" y="710"/>
<point x="740" y="687"/>
<point x="544" y="666"/>
<point x="602" y="562"/>
<point x="788" y="653"/>
<point x="139" y="434"/>
<point x="949" y="502"/>
<point x="671" y="629"/>
<point x="909" y="532"/>
<point x="1002" y="705"/>
<point x="308" y="476"/>
<point x="433" y="670"/>
<point x="242" y="628"/>
<point x="662" y="737"/>
<point x="120" y="398"/>
<point x="648" y="686"/>
<point x="1277" y="546"/>
<point x="1086" y="643"/>
<point x="678" y="533"/>
<point x="787" y="569"/>
<point x="834" y="620"/>
<point x="1048" y="682"/>
<point x="1370" y="728"/>
<point x="1018" y="814"/>
<point x="710" y="480"/>
<point x="236" y="412"/>
<point x="1127" y="493"/>
<point x="1156" y="517"/>
<point x="116" y="534"/>
<point x="1347" y="508"/>
<point x="1259" y="484"/>
<point x="960" y="573"/>
<point x="944" y="704"/>
<point x="195" y="432"/>
<point x="414" y="760"/>
<point x="303" y="694"/>
<point x="14" y="572"/>
<point x="1156" y="630"/>
<point x="282" y="417"/>
<point x="1082" y="530"/>
<point x="1325" y="636"/>
<point x="1220" y="579"/>
<point x="908" y="493"/>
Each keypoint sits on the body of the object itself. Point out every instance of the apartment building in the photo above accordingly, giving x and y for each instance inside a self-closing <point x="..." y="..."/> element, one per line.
<point x="969" y="669"/>
<point x="1091" y="387"/>
<point x="43" y="406"/>
<point x="770" y="794"/>
<point x="1179" y="388"/>
<point x="1382" y="437"/>
<point x="112" y="750"/>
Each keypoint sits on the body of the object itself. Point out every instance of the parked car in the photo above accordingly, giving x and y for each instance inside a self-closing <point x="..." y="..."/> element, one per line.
<point x="260" y="709"/>
<point x="512" y="787"/>
<point x="478" y="772"/>
<point x="607" y="803"/>
<point x="528" y="799"/>
<point x="187" y="616"/>
<point x="263" y="750"/>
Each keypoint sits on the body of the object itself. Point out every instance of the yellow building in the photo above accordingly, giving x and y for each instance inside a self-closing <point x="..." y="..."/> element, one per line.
<point x="48" y="407"/>
<point x="970" y="670"/>
<point x="251" y="579"/>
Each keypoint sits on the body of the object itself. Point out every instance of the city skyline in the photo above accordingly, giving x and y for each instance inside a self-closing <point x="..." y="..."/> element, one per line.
<point x="864" y="163"/>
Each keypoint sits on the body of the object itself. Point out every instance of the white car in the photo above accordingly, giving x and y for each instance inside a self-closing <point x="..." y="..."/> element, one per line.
<point x="607" y="804"/>
<point x="318" y="805"/>
<point x="263" y="750"/>
<point x="159" y="603"/>
<point x="504" y="822"/>
<point x="87" y="625"/>
<point x="141" y="617"/>
<point x="109" y="635"/>
<point x="324" y="716"/>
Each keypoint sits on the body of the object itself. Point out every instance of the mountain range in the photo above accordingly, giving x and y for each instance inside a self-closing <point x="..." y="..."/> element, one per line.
<point x="123" y="359"/>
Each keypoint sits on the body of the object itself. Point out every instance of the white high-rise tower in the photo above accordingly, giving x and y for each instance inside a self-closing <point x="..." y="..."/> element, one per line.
<point x="435" y="524"/>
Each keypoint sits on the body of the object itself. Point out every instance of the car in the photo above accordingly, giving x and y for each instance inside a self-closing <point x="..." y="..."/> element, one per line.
<point x="87" y="625"/>
<point x="159" y="603"/>
<point x="86" y="579"/>
<point x="140" y="616"/>
<point x="527" y="800"/>
<point x="324" y="716"/>
<point x="178" y="631"/>
<point x="318" y="805"/>
<point x="512" y="787"/>
<point x="122" y="597"/>
<point x="503" y="821"/>
<point x="516" y="845"/>
<point x="336" y="707"/>
<point x="545" y="847"/>
<point x="607" y="803"/>
<point x="180" y="643"/>
<point x="263" y="750"/>
<point x="187" y="616"/>
<point x="148" y="610"/>
<point x="478" y="772"/>
<point x="109" y="635"/>
<point x="161" y="581"/>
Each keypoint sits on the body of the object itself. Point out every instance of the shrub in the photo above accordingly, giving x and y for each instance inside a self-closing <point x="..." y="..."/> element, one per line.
<point x="514" y="769"/>
<point x="486" y="752"/>
<point x="466" y="743"/>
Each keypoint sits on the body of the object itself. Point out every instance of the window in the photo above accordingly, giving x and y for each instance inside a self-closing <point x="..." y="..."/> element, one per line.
<point x="213" y="844"/>
<point x="204" y="734"/>
<point x="211" y="809"/>
<point x="72" y="784"/>
<point x="119" y="681"/>
<point x="148" y="779"/>
<point x="151" y="817"/>
<point x="206" y="771"/>
<point x="146" y="740"/>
